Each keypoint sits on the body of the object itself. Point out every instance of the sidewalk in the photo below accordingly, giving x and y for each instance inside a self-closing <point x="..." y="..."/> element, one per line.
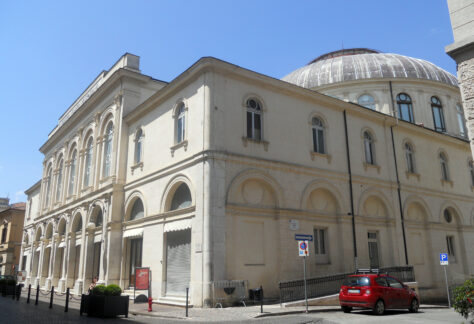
<point x="230" y="313"/>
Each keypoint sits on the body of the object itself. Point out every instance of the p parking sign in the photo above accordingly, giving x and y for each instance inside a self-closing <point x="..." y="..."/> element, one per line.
<point x="303" y="248"/>
<point x="443" y="258"/>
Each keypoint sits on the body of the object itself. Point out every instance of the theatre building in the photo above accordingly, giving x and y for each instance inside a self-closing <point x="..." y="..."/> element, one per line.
<point x="210" y="176"/>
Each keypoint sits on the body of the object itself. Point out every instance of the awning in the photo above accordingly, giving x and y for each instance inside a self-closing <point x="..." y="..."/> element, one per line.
<point x="136" y="232"/>
<point x="62" y="244"/>
<point x="178" y="225"/>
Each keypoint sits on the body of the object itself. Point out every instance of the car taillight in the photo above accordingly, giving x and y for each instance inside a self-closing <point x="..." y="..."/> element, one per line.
<point x="367" y="291"/>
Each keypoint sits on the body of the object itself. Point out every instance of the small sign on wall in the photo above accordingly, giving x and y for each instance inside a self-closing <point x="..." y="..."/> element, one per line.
<point x="294" y="224"/>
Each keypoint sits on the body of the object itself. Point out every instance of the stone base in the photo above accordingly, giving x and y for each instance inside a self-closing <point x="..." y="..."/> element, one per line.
<point x="78" y="287"/>
<point x="36" y="282"/>
<point x="62" y="285"/>
<point x="27" y="281"/>
<point x="47" y="284"/>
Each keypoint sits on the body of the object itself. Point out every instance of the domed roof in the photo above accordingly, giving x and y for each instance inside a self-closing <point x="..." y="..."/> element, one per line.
<point x="360" y="64"/>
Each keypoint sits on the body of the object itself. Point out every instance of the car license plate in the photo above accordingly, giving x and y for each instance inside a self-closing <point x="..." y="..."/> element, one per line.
<point x="354" y="291"/>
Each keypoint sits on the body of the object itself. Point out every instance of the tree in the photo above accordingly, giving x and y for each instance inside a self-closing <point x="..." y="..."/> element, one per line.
<point x="464" y="299"/>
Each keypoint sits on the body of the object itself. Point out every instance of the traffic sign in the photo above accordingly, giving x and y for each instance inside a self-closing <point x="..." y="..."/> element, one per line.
<point x="303" y="237"/>
<point x="443" y="258"/>
<point x="303" y="248"/>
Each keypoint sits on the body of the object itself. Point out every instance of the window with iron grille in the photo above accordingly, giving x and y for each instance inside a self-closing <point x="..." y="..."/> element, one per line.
<point x="321" y="245"/>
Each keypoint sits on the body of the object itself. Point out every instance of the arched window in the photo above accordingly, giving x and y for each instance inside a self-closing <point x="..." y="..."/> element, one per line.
<point x="88" y="163"/>
<point x="405" y="108"/>
<point x="138" y="146"/>
<point x="48" y="187"/>
<point x="59" y="182"/>
<point x="369" y="148"/>
<point x="409" y="154"/>
<point x="4" y="232"/>
<point x="461" y="121"/>
<point x="78" y="227"/>
<point x="99" y="218"/>
<point x="438" y="117"/>
<point x="181" y="198"/>
<point x="443" y="160"/>
<point x="109" y="134"/>
<point x="254" y="119"/>
<point x="471" y="172"/>
<point x="180" y="123"/>
<point x="366" y="101"/>
<point x="72" y="173"/>
<point x="137" y="210"/>
<point x="318" y="136"/>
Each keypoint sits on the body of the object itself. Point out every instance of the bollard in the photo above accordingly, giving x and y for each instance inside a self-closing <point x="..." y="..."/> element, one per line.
<point x="187" y="292"/>
<point x="19" y="293"/>
<point x="261" y="299"/>
<point x="14" y="292"/>
<point x="51" y="298"/>
<point x="37" y="294"/>
<point x="150" y="301"/>
<point x="29" y="293"/>
<point x="67" y="300"/>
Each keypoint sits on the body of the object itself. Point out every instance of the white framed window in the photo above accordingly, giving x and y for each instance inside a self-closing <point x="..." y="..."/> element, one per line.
<point x="471" y="172"/>
<point x="254" y="119"/>
<point x="59" y="181"/>
<point x="138" y="155"/>
<point x="405" y="107"/>
<point x="321" y="250"/>
<point x="369" y="148"/>
<point x="180" y="123"/>
<point x="88" y="162"/>
<point x="366" y="101"/>
<point x="443" y="160"/>
<point x="318" y="136"/>
<point x="410" y="157"/>
<point x="461" y="121"/>
<point x="438" y="116"/>
<point x="450" y="247"/>
<point x="72" y="172"/>
<point x="108" y="136"/>
<point x="47" y="199"/>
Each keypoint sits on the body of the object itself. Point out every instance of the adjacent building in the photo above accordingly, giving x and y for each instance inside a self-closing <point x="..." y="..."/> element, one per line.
<point x="208" y="177"/>
<point x="11" y="232"/>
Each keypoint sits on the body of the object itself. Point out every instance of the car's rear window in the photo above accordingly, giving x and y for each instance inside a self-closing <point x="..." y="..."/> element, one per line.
<point x="356" y="281"/>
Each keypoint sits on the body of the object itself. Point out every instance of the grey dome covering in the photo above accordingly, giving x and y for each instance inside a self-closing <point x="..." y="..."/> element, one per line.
<point x="361" y="64"/>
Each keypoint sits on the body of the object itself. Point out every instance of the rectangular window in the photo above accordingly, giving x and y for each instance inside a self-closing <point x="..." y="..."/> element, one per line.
<point x="320" y="245"/>
<point x="450" y="245"/>
<point x="23" y="263"/>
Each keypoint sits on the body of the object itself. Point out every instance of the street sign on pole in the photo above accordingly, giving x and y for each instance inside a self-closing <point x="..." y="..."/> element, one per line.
<point x="303" y="248"/>
<point x="303" y="237"/>
<point x="443" y="258"/>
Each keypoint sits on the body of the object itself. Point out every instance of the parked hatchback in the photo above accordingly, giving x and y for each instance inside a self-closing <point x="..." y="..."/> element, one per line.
<point x="377" y="292"/>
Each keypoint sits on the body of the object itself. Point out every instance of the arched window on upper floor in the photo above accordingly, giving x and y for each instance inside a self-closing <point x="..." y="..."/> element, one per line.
<point x="471" y="172"/>
<point x="438" y="116"/>
<point x="47" y="199"/>
<point x="108" y="136"/>
<point x="369" y="148"/>
<point x="405" y="107"/>
<point x="443" y="160"/>
<point x="180" y="123"/>
<point x="137" y="210"/>
<point x="72" y="172"/>
<point x="181" y="197"/>
<point x="318" y="135"/>
<point x="59" y="180"/>
<point x="366" y="101"/>
<point x="88" y="162"/>
<point x="461" y="120"/>
<point x="410" y="157"/>
<point x="138" y="155"/>
<point x="254" y="119"/>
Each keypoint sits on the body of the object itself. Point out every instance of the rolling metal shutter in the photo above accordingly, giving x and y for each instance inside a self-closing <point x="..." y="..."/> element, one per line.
<point x="178" y="262"/>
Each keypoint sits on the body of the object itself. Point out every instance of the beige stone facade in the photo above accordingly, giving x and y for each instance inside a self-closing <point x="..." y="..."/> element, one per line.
<point x="210" y="176"/>
<point x="11" y="232"/>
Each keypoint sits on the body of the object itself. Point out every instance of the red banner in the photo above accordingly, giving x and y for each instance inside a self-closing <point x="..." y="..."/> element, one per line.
<point x="142" y="278"/>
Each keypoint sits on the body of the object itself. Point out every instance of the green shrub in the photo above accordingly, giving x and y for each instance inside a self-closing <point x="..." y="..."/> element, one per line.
<point x="99" y="290"/>
<point x="113" y="290"/>
<point x="464" y="299"/>
<point x="11" y="282"/>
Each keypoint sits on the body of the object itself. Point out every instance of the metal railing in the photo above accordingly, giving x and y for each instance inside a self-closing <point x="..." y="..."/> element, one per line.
<point x="330" y="285"/>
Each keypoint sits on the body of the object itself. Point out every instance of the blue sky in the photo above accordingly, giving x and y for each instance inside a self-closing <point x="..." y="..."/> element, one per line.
<point x="52" y="50"/>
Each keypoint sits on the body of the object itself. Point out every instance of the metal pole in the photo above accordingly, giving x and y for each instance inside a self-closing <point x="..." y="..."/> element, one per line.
<point x="304" y="276"/>
<point x="51" y="298"/>
<point x="187" y="293"/>
<point x="14" y="292"/>
<point x="29" y="293"/>
<point x="67" y="300"/>
<point x="261" y="299"/>
<point x="19" y="293"/>
<point x="37" y="294"/>
<point x="447" y="286"/>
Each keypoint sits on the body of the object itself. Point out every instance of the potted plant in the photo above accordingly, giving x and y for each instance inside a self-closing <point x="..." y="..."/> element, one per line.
<point x="464" y="299"/>
<point x="7" y="287"/>
<point x="105" y="301"/>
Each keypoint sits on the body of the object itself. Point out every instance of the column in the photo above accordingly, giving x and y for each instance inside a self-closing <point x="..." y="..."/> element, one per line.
<point x="62" y="284"/>
<point x="40" y="264"/>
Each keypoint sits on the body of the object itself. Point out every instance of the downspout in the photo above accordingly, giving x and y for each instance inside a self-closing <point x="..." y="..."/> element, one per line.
<point x="398" y="179"/>
<point x="354" y="241"/>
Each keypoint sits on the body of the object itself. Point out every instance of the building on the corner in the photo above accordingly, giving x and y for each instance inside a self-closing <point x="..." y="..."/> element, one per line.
<point x="208" y="177"/>
<point x="11" y="232"/>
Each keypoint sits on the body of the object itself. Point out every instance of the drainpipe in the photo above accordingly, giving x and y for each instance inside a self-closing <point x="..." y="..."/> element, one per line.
<point x="354" y="241"/>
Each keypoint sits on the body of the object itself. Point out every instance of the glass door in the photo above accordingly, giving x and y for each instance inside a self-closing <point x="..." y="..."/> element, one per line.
<point x="135" y="258"/>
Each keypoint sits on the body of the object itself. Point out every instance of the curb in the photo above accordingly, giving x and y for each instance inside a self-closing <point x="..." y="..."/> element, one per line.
<point x="154" y="314"/>
<point x="322" y="310"/>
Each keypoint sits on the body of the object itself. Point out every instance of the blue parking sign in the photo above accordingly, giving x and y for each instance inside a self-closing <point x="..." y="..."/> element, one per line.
<point x="443" y="258"/>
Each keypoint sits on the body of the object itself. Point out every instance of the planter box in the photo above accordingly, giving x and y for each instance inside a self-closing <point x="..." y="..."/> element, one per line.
<point x="6" y="290"/>
<point x="104" y="306"/>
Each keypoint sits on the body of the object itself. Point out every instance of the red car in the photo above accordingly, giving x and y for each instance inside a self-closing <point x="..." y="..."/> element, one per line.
<point x="377" y="292"/>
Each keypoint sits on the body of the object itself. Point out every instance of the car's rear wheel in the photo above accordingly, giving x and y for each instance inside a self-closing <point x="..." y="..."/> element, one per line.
<point x="379" y="307"/>
<point x="346" y="309"/>
<point x="414" y="306"/>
